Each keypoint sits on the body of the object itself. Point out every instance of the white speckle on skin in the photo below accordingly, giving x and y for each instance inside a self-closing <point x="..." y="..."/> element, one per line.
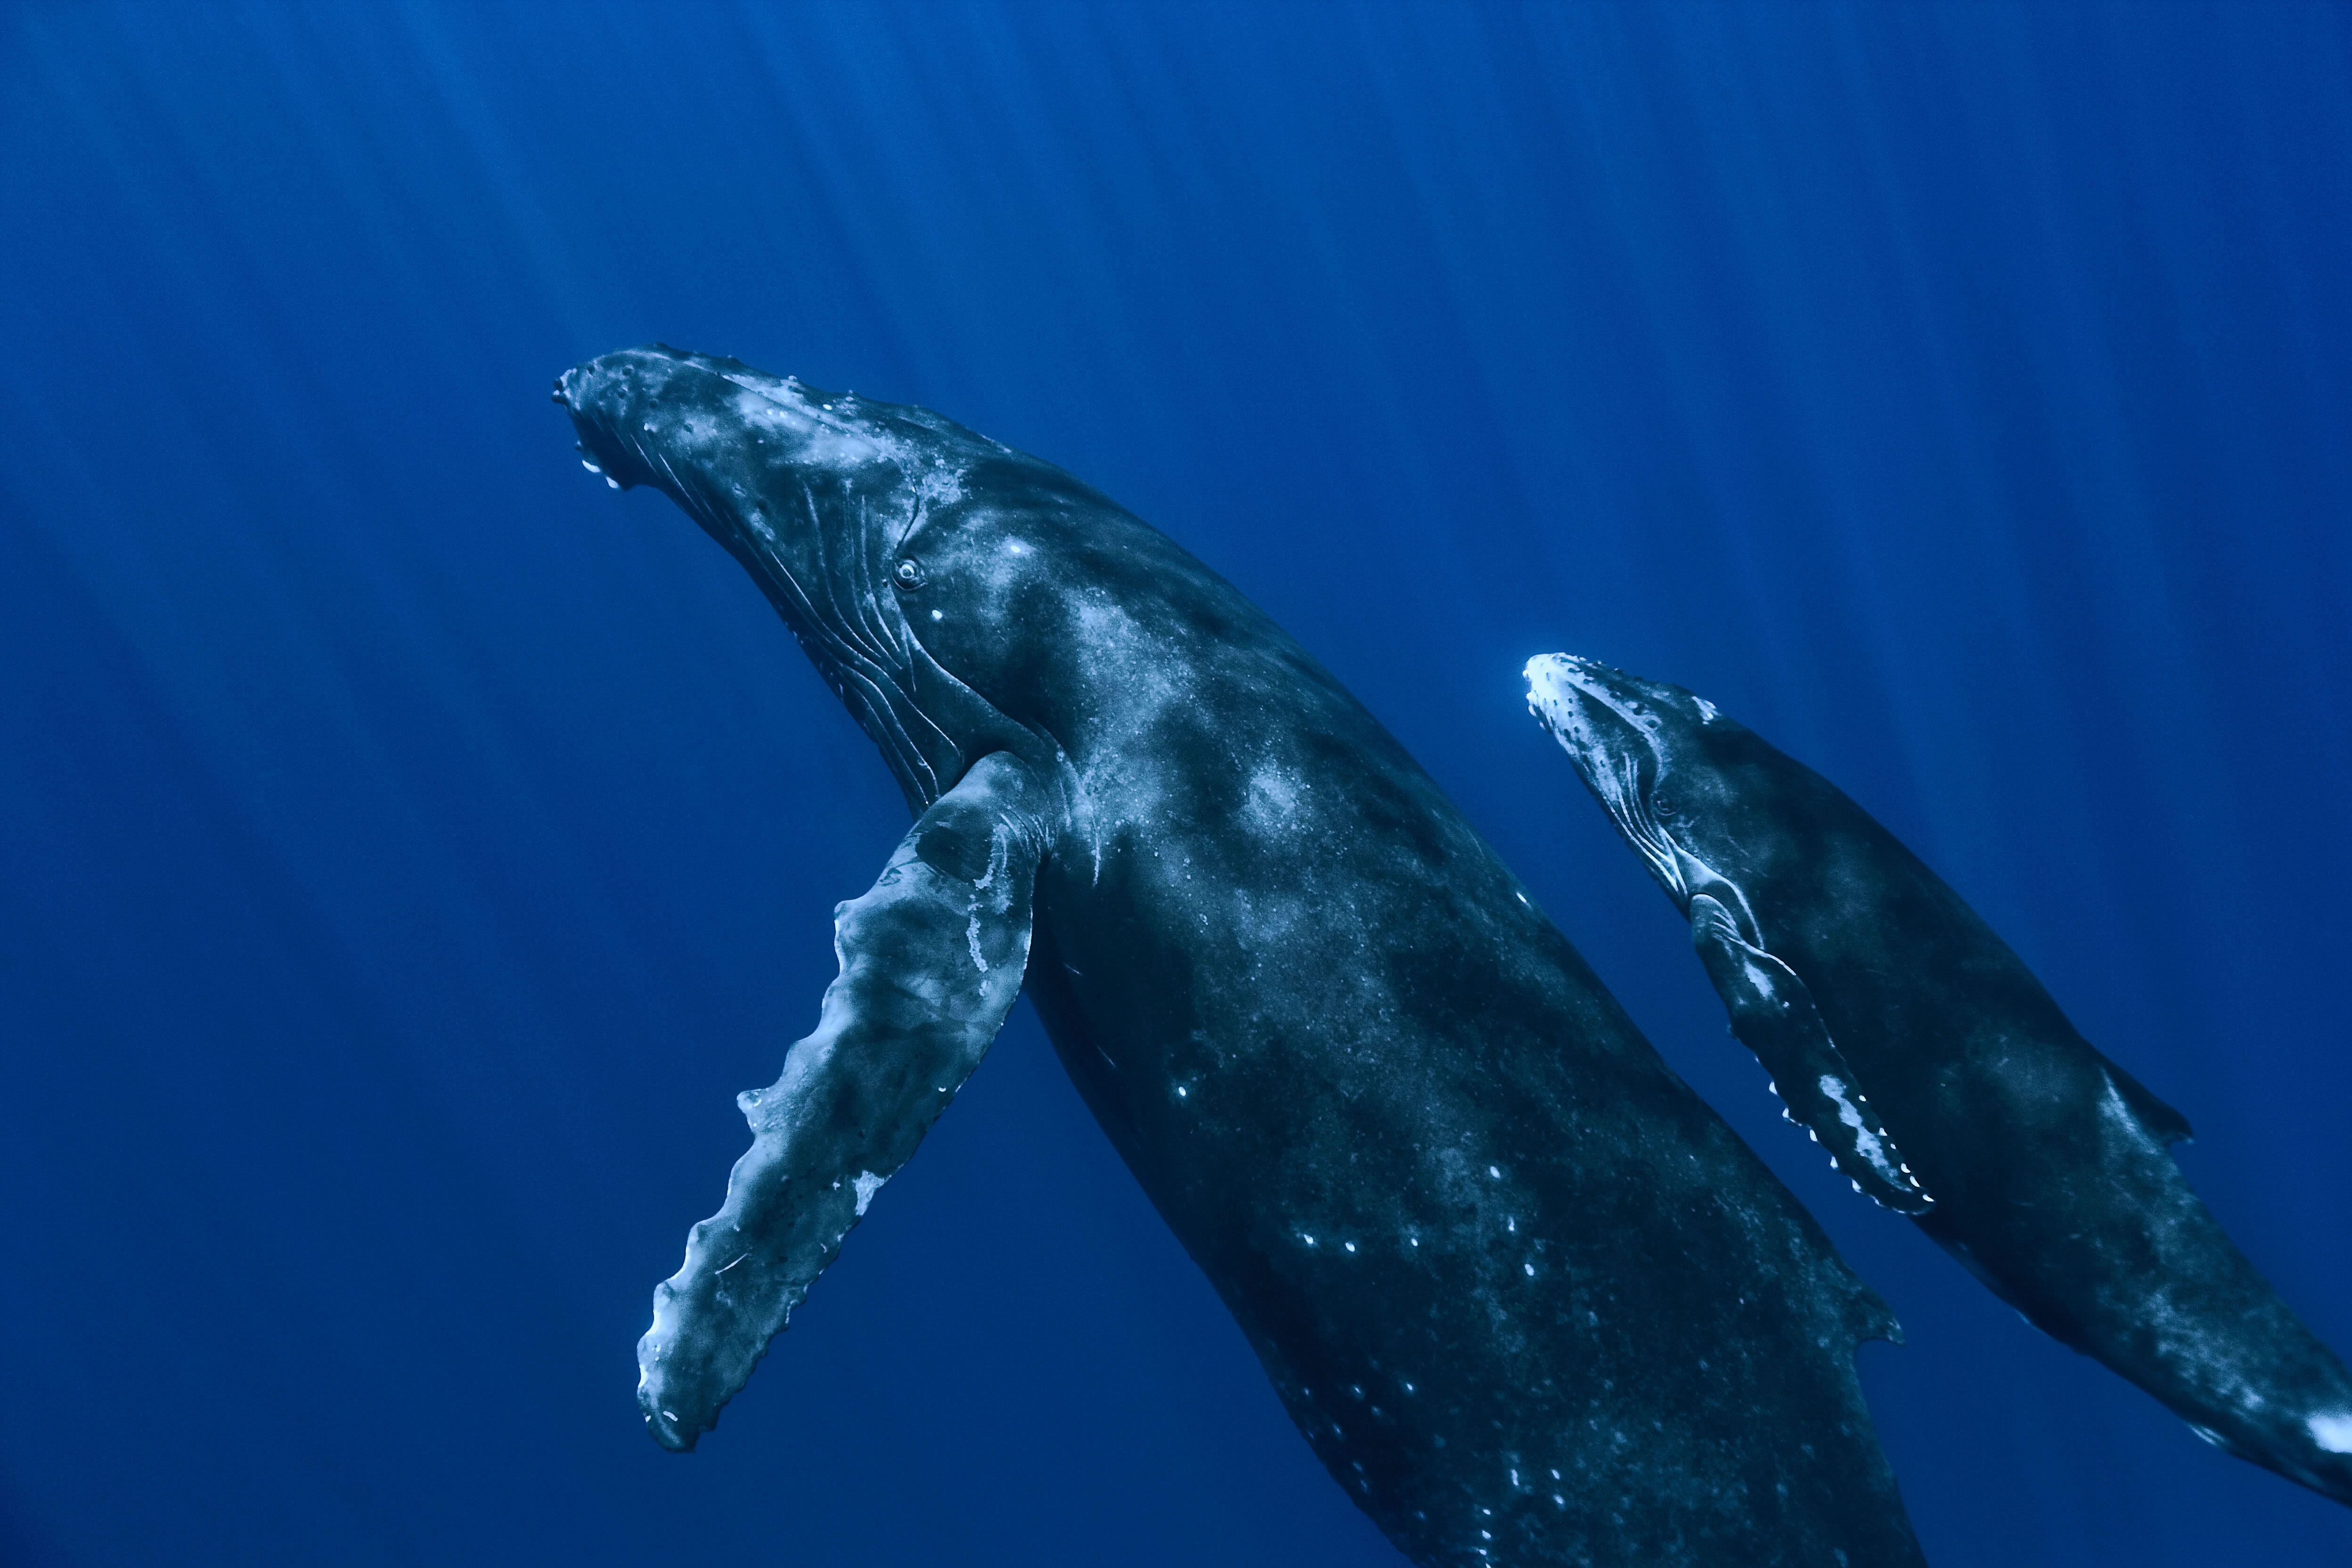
<point x="938" y="616"/>
<point x="1348" y="1245"/>
<point x="1495" y="1171"/>
<point x="1306" y="1238"/>
<point x="868" y="1184"/>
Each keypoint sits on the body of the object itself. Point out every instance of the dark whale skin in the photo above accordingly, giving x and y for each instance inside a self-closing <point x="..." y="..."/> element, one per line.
<point x="2047" y="1163"/>
<point x="1529" y="1300"/>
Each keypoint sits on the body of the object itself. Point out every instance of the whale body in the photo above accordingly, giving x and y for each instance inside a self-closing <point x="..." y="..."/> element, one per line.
<point x="1529" y="1300"/>
<point x="1904" y="1033"/>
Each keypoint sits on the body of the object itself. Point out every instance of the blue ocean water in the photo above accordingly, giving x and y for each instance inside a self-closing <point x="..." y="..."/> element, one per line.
<point x="408" y="847"/>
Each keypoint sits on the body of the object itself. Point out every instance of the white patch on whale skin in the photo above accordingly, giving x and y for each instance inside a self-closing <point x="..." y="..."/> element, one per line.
<point x="938" y="484"/>
<point x="1865" y="1142"/>
<point x="2332" y="1430"/>
<point x="1271" y="802"/>
<point x="816" y="441"/>
<point x="868" y="1184"/>
<point x="1152" y="686"/>
<point x="823" y="437"/>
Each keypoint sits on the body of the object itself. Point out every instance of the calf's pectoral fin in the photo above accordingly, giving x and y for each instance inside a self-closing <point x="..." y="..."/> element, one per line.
<point x="931" y="960"/>
<point x="1773" y="1016"/>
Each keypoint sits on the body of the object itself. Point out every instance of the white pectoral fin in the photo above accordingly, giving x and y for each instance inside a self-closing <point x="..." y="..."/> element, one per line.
<point x="1774" y="1016"/>
<point x="931" y="960"/>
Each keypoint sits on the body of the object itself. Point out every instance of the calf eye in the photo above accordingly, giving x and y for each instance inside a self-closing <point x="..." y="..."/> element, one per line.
<point x="908" y="574"/>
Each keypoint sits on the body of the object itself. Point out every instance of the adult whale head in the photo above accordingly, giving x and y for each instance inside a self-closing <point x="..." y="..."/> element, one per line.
<point x="859" y="521"/>
<point x="1526" y="1297"/>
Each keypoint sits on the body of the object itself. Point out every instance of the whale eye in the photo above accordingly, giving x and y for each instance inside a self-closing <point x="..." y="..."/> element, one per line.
<point x="908" y="574"/>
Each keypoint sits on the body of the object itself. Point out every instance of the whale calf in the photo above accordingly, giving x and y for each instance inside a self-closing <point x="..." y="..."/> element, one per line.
<point x="1529" y="1300"/>
<point x="1924" y="1054"/>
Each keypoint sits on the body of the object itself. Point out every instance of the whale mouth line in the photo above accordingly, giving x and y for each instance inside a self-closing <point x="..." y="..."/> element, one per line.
<point x="1569" y="694"/>
<point x="731" y="446"/>
<point x="873" y="682"/>
<point x="1568" y="699"/>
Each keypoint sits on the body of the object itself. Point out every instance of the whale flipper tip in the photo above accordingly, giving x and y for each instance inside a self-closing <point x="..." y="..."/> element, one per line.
<point x="1773" y="1016"/>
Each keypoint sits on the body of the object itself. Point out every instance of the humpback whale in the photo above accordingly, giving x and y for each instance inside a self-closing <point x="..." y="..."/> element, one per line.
<point x="1909" y="1039"/>
<point x="1529" y="1299"/>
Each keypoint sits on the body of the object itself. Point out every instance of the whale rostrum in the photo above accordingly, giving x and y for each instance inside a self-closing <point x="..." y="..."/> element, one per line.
<point x="1526" y="1298"/>
<point x="2036" y="1162"/>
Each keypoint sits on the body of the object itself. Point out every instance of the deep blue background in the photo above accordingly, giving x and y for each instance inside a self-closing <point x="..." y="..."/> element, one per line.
<point x="408" y="847"/>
